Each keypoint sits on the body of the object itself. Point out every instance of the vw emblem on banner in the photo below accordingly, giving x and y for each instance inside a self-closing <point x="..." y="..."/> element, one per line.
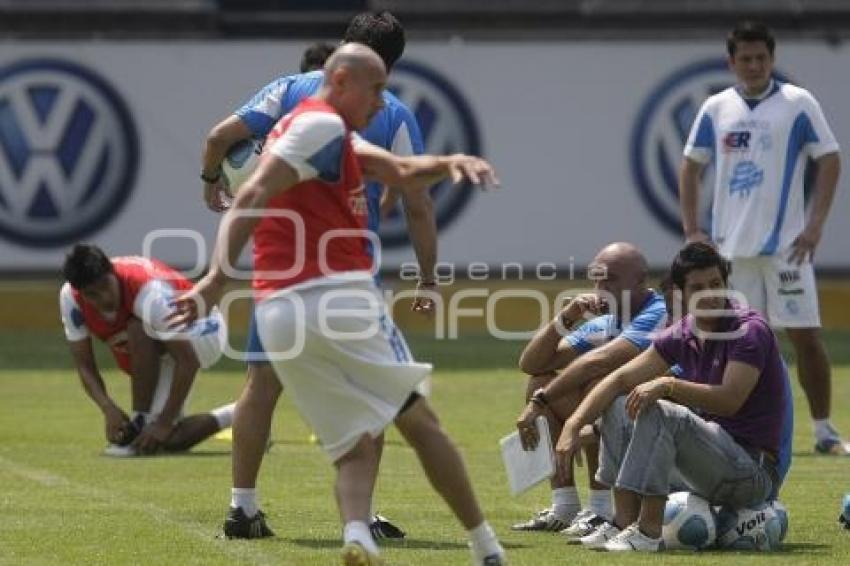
<point x="68" y="152"/>
<point x="661" y="131"/>
<point x="448" y="126"/>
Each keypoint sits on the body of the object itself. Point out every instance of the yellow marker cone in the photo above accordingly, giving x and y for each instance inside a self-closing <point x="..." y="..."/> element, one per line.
<point x="225" y="434"/>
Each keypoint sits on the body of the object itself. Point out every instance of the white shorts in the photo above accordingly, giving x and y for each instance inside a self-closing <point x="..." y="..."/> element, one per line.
<point x="208" y="337"/>
<point x="341" y="359"/>
<point x="163" y="389"/>
<point x="785" y="293"/>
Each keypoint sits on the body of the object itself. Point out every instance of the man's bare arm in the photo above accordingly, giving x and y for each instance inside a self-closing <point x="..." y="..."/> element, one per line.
<point x="546" y="352"/>
<point x="723" y="400"/>
<point x="689" y="188"/>
<point x="95" y="388"/>
<point x="115" y="418"/>
<point x="591" y="366"/>
<point x="648" y="365"/>
<point x="221" y="138"/>
<point x="826" y="180"/>
<point x="422" y="227"/>
<point x="273" y="176"/>
<point x="419" y="172"/>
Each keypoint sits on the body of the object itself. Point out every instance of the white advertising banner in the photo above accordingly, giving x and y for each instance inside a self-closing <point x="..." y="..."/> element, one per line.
<point x="101" y="141"/>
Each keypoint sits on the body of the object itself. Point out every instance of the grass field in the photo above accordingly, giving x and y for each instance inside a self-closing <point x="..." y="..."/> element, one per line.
<point x="64" y="503"/>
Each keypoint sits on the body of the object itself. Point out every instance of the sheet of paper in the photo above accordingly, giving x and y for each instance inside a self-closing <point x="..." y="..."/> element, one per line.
<point x="528" y="468"/>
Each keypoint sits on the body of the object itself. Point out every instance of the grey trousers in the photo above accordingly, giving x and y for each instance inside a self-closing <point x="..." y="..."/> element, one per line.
<point x="667" y="445"/>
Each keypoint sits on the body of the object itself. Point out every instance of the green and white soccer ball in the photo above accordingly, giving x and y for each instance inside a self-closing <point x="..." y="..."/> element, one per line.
<point x="241" y="160"/>
<point x="689" y="522"/>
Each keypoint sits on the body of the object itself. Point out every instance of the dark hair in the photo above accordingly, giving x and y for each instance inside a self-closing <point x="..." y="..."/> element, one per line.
<point x="85" y="264"/>
<point x="381" y="31"/>
<point x="315" y="56"/>
<point x="694" y="256"/>
<point x="749" y="31"/>
<point x="666" y="284"/>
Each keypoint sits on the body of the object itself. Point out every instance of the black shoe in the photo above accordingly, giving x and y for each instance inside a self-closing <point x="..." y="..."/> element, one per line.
<point x="131" y="430"/>
<point x="238" y="525"/>
<point x="382" y="528"/>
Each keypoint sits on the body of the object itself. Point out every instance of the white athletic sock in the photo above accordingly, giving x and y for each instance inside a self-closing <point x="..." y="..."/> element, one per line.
<point x="600" y="503"/>
<point x="224" y="415"/>
<point x="565" y="501"/>
<point x="358" y="531"/>
<point x="246" y="498"/>
<point x="483" y="541"/>
<point x="824" y="430"/>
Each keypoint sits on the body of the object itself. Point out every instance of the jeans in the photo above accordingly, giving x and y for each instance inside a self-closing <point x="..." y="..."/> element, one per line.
<point x="670" y="443"/>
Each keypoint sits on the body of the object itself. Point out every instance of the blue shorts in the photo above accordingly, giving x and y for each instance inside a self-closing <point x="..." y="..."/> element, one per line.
<point x="255" y="353"/>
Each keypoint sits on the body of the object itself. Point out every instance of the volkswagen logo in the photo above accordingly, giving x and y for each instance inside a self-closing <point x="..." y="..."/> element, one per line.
<point x="68" y="152"/>
<point x="661" y="131"/>
<point x="448" y="126"/>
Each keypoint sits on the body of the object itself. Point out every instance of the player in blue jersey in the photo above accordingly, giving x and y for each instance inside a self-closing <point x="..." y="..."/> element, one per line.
<point x="760" y="134"/>
<point x="568" y="366"/>
<point x="315" y="56"/>
<point x="395" y="129"/>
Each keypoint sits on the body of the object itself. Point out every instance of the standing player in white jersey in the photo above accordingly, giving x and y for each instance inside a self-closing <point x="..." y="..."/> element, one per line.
<point x="319" y="314"/>
<point x="760" y="133"/>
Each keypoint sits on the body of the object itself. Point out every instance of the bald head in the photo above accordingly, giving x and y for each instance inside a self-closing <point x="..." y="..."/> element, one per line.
<point x="620" y="269"/>
<point x="354" y="83"/>
<point x="625" y="255"/>
<point x="355" y="57"/>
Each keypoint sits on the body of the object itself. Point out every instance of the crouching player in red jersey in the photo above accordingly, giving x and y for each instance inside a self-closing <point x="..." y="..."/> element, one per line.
<point x="124" y="302"/>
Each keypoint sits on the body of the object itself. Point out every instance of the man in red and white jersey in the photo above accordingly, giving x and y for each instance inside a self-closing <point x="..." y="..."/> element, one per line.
<point x="320" y="317"/>
<point x="125" y="302"/>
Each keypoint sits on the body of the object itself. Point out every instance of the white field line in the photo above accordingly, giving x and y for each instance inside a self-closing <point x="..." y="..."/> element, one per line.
<point x="240" y="552"/>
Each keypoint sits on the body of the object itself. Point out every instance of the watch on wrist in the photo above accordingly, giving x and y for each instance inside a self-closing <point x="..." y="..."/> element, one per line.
<point x="539" y="398"/>
<point x="211" y="178"/>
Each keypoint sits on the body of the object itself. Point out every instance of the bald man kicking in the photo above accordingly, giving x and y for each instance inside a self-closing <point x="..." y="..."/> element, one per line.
<point x="592" y="336"/>
<point x="325" y="326"/>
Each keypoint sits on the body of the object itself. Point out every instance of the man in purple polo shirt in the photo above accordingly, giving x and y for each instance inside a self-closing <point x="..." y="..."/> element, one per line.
<point x="719" y="430"/>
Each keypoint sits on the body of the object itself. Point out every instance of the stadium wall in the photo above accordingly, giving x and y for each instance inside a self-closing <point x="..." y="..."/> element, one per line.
<point x="509" y="310"/>
<point x="101" y="141"/>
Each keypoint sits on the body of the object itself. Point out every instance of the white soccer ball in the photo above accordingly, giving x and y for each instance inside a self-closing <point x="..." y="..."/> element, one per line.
<point x="688" y="522"/>
<point x="239" y="163"/>
<point x="751" y="528"/>
<point x="782" y="513"/>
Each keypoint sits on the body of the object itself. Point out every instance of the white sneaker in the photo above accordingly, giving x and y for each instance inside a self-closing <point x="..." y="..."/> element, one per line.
<point x="602" y="534"/>
<point x="631" y="539"/>
<point x="584" y="524"/>
<point x="545" y="520"/>
<point x="117" y="451"/>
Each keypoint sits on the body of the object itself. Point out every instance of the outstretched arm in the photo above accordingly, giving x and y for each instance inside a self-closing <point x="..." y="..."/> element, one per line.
<point x="419" y="172"/>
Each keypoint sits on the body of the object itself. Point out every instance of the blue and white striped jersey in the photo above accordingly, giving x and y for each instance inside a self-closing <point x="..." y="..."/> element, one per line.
<point x="604" y="328"/>
<point x="760" y="147"/>
<point x="394" y="128"/>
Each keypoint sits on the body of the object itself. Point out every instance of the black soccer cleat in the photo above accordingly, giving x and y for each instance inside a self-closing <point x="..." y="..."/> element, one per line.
<point x="131" y="430"/>
<point x="381" y="527"/>
<point x="238" y="525"/>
